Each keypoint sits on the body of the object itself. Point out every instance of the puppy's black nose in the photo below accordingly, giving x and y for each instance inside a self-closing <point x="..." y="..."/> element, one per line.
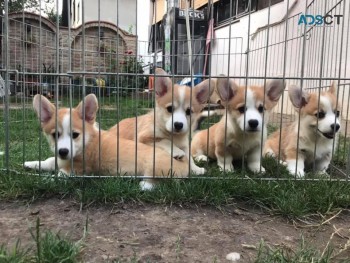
<point x="178" y="125"/>
<point x="336" y="128"/>
<point x="253" y="123"/>
<point x="63" y="152"/>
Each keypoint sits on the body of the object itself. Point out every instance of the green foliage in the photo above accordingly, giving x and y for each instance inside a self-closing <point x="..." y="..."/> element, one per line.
<point x="14" y="255"/>
<point x="19" y="5"/>
<point x="54" y="248"/>
<point x="131" y="65"/>
<point x="48" y="69"/>
<point x="52" y="16"/>
<point x="50" y="247"/>
<point x="127" y="69"/>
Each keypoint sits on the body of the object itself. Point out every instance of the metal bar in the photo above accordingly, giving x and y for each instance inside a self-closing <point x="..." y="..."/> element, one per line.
<point x="205" y="76"/>
<point x="57" y="64"/>
<point x="319" y="90"/>
<point x="99" y="86"/>
<point x="339" y="74"/>
<point x="266" y="60"/>
<point x="137" y="92"/>
<point x="69" y="42"/>
<point x="7" y="83"/>
<point x="283" y="76"/>
<point x="301" y="87"/>
<point x="84" y="80"/>
<point x="247" y="72"/>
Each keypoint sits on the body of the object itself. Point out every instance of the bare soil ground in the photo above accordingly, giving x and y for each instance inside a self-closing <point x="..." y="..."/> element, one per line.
<point x="166" y="233"/>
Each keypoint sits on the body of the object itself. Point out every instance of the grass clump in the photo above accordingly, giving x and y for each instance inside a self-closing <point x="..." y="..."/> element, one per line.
<point x="289" y="198"/>
<point x="49" y="247"/>
<point x="303" y="254"/>
<point x="14" y="255"/>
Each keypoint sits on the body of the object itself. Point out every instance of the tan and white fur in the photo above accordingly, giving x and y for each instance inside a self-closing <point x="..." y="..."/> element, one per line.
<point x="246" y="115"/>
<point x="76" y="134"/>
<point x="168" y="125"/>
<point x="319" y="124"/>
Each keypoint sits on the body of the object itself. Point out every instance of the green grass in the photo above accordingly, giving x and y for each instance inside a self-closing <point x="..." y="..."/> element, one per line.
<point x="303" y="254"/>
<point x="289" y="198"/>
<point x="47" y="247"/>
<point x="52" y="247"/>
<point x="14" y="255"/>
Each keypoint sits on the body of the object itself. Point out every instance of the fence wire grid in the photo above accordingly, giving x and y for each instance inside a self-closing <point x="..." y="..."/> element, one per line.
<point x="113" y="55"/>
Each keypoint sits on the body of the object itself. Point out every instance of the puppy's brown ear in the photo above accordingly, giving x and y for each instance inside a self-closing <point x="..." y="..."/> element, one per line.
<point x="333" y="88"/>
<point x="273" y="91"/>
<point x="44" y="108"/>
<point x="162" y="82"/>
<point x="226" y="89"/>
<point x="297" y="96"/>
<point x="91" y="106"/>
<point x="203" y="90"/>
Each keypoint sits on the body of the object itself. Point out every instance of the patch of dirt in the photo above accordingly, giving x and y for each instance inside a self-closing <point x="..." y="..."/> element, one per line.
<point x="165" y="233"/>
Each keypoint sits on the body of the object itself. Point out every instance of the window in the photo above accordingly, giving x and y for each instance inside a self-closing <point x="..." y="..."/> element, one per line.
<point x="28" y="27"/>
<point x="231" y="9"/>
<point x="265" y="3"/>
<point x="102" y="33"/>
<point x="156" y="38"/>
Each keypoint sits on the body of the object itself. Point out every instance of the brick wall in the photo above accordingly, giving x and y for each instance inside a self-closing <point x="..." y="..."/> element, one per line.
<point x="32" y="45"/>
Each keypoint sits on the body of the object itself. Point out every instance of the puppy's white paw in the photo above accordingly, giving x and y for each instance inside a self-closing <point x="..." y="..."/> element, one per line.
<point x="146" y="186"/>
<point x="178" y="154"/>
<point x="284" y="163"/>
<point x="201" y="158"/>
<point x="299" y="173"/>
<point x="270" y="153"/>
<point x="34" y="165"/>
<point x="256" y="168"/>
<point x="198" y="170"/>
<point x="226" y="167"/>
<point x="322" y="173"/>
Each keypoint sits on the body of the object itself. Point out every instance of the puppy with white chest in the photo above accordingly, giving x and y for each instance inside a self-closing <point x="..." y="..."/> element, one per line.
<point x="168" y="126"/>
<point x="74" y="136"/>
<point x="318" y="132"/>
<point x="246" y="115"/>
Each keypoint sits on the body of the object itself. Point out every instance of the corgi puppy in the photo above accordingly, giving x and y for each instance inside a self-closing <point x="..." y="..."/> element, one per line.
<point x="169" y="124"/>
<point x="246" y="114"/>
<point x="74" y="136"/>
<point x="318" y="130"/>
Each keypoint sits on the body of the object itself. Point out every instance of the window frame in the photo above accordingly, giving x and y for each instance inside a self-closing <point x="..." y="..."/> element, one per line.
<point x="234" y="15"/>
<point x="156" y="38"/>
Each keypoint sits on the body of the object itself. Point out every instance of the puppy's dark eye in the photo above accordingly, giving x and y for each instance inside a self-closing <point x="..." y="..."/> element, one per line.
<point x="320" y="115"/>
<point x="261" y="108"/>
<point x="54" y="135"/>
<point x="75" y="135"/>
<point x="169" y="109"/>
<point x="241" y="109"/>
<point x="188" y="112"/>
<point x="337" y="113"/>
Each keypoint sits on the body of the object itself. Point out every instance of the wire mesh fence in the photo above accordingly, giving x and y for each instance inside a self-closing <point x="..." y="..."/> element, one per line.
<point x="303" y="44"/>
